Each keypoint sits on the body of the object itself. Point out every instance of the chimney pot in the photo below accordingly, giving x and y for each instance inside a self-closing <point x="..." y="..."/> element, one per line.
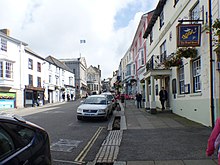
<point x="5" y="31"/>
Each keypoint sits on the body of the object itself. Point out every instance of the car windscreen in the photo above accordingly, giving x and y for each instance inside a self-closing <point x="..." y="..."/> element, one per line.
<point x="95" y="100"/>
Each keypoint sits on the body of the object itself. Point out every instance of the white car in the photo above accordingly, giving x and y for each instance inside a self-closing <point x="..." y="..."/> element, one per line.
<point x="95" y="106"/>
<point x="111" y="98"/>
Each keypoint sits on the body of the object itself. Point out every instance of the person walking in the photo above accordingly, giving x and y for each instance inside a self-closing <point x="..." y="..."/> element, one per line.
<point x="214" y="140"/>
<point x="139" y="99"/>
<point x="163" y="97"/>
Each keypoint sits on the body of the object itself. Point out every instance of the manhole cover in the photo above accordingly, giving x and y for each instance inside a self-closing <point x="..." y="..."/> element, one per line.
<point x="65" y="145"/>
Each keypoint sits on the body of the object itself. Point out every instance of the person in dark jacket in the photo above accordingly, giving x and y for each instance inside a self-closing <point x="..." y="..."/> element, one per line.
<point x="163" y="97"/>
<point x="139" y="99"/>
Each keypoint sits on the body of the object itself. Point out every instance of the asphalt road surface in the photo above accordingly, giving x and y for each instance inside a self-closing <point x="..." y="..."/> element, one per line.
<point x="72" y="141"/>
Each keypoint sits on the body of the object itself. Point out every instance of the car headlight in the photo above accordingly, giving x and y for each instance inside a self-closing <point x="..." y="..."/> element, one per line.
<point x="102" y="110"/>
<point x="79" y="110"/>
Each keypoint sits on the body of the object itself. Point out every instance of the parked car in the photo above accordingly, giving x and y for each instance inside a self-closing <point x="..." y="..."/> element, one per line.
<point x="111" y="98"/>
<point x="22" y="142"/>
<point x="95" y="106"/>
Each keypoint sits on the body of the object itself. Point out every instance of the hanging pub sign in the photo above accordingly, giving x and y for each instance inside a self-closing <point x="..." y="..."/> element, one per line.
<point x="188" y="35"/>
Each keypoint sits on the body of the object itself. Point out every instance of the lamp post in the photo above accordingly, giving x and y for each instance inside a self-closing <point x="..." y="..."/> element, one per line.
<point x="211" y="66"/>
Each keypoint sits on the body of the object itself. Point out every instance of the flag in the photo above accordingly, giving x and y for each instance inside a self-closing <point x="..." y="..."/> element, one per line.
<point x="82" y="41"/>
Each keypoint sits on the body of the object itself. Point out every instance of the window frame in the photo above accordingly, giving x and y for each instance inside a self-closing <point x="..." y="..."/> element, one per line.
<point x="1" y="69"/>
<point x="192" y="14"/>
<point x="8" y="70"/>
<point x="181" y="80"/>
<point x="4" y="44"/>
<point x="38" y="81"/>
<point x="30" y="79"/>
<point x="161" y="19"/>
<point x="30" y="63"/>
<point x="163" y="51"/>
<point x="196" y="75"/>
<point x="38" y="66"/>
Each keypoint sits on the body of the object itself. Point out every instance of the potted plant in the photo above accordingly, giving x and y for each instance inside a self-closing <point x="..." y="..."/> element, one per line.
<point x="186" y="52"/>
<point x="172" y="62"/>
<point x="216" y="28"/>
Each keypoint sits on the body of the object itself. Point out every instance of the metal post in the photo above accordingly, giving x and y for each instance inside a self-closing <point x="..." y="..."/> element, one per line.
<point x="211" y="66"/>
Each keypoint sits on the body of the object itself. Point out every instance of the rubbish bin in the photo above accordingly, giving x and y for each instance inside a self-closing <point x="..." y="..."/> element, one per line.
<point x="122" y="98"/>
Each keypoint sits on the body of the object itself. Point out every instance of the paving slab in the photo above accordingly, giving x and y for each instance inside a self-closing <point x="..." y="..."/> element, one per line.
<point x="140" y="163"/>
<point x="200" y="162"/>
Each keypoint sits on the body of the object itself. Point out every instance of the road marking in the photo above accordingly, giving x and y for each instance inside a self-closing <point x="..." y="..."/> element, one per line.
<point x="67" y="161"/>
<point x="86" y="149"/>
<point x="65" y="145"/>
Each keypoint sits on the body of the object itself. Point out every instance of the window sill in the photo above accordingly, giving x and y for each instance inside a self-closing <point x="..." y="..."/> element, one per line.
<point x="195" y="94"/>
<point x="180" y="95"/>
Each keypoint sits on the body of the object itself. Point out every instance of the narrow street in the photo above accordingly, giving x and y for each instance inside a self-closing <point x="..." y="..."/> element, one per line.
<point x="72" y="141"/>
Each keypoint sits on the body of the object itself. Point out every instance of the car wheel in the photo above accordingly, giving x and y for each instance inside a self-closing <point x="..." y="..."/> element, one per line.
<point x="79" y="117"/>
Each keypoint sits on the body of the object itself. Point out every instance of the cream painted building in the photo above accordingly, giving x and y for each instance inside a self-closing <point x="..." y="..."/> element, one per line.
<point x="188" y="84"/>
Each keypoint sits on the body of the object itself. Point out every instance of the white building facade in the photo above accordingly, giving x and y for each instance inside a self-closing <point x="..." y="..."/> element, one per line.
<point x="11" y="53"/>
<point x="188" y="83"/>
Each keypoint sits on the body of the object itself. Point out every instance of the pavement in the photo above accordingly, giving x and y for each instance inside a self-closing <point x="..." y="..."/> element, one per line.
<point x="150" y="139"/>
<point x="161" y="139"/>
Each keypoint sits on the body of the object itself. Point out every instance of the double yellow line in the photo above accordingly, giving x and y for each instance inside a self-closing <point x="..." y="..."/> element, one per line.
<point x="86" y="149"/>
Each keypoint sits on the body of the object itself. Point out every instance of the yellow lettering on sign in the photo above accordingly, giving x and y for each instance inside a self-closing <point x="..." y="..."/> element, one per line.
<point x="188" y="33"/>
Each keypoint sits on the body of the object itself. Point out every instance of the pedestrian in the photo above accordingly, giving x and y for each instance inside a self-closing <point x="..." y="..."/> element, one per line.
<point x="63" y="96"/>
<point x="68" y="97"/>
<point x="214" y="140"/>
<point x="139" y="99"/>
<point x="163" y="97"/>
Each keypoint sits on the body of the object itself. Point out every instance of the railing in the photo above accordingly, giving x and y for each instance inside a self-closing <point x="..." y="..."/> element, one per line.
<point x="157" y="61"/>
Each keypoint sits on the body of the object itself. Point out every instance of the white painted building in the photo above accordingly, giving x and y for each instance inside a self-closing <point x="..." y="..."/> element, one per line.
<point x="59" y="81"/>
<point x="32" y="78"/>
<point x="11" y="54"/>
<point x="188" y="84"/>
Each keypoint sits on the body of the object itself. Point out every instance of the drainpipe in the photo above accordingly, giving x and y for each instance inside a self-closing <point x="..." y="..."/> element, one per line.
<point x="211" y="66"/>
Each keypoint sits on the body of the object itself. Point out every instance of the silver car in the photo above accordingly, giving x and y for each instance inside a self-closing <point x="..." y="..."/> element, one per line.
<point x="95" y="106"/>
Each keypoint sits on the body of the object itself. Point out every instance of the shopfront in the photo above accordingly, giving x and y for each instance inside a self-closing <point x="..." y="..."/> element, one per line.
<point x="7" y="100"/>
<point x="33" y="96"/>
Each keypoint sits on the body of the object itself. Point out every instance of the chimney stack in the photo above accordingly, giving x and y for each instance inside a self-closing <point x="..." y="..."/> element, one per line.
<point x="5" y="31"/>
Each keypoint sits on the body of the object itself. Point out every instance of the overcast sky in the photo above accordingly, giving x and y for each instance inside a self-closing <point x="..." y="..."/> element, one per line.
<point x="55" y="27"/>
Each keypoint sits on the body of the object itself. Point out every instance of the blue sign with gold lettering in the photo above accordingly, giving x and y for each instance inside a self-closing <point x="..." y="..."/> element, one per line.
<point x="188" y="35"/>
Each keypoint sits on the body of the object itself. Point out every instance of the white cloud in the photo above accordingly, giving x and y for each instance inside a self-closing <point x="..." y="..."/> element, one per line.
<point x="56" y="28"/>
